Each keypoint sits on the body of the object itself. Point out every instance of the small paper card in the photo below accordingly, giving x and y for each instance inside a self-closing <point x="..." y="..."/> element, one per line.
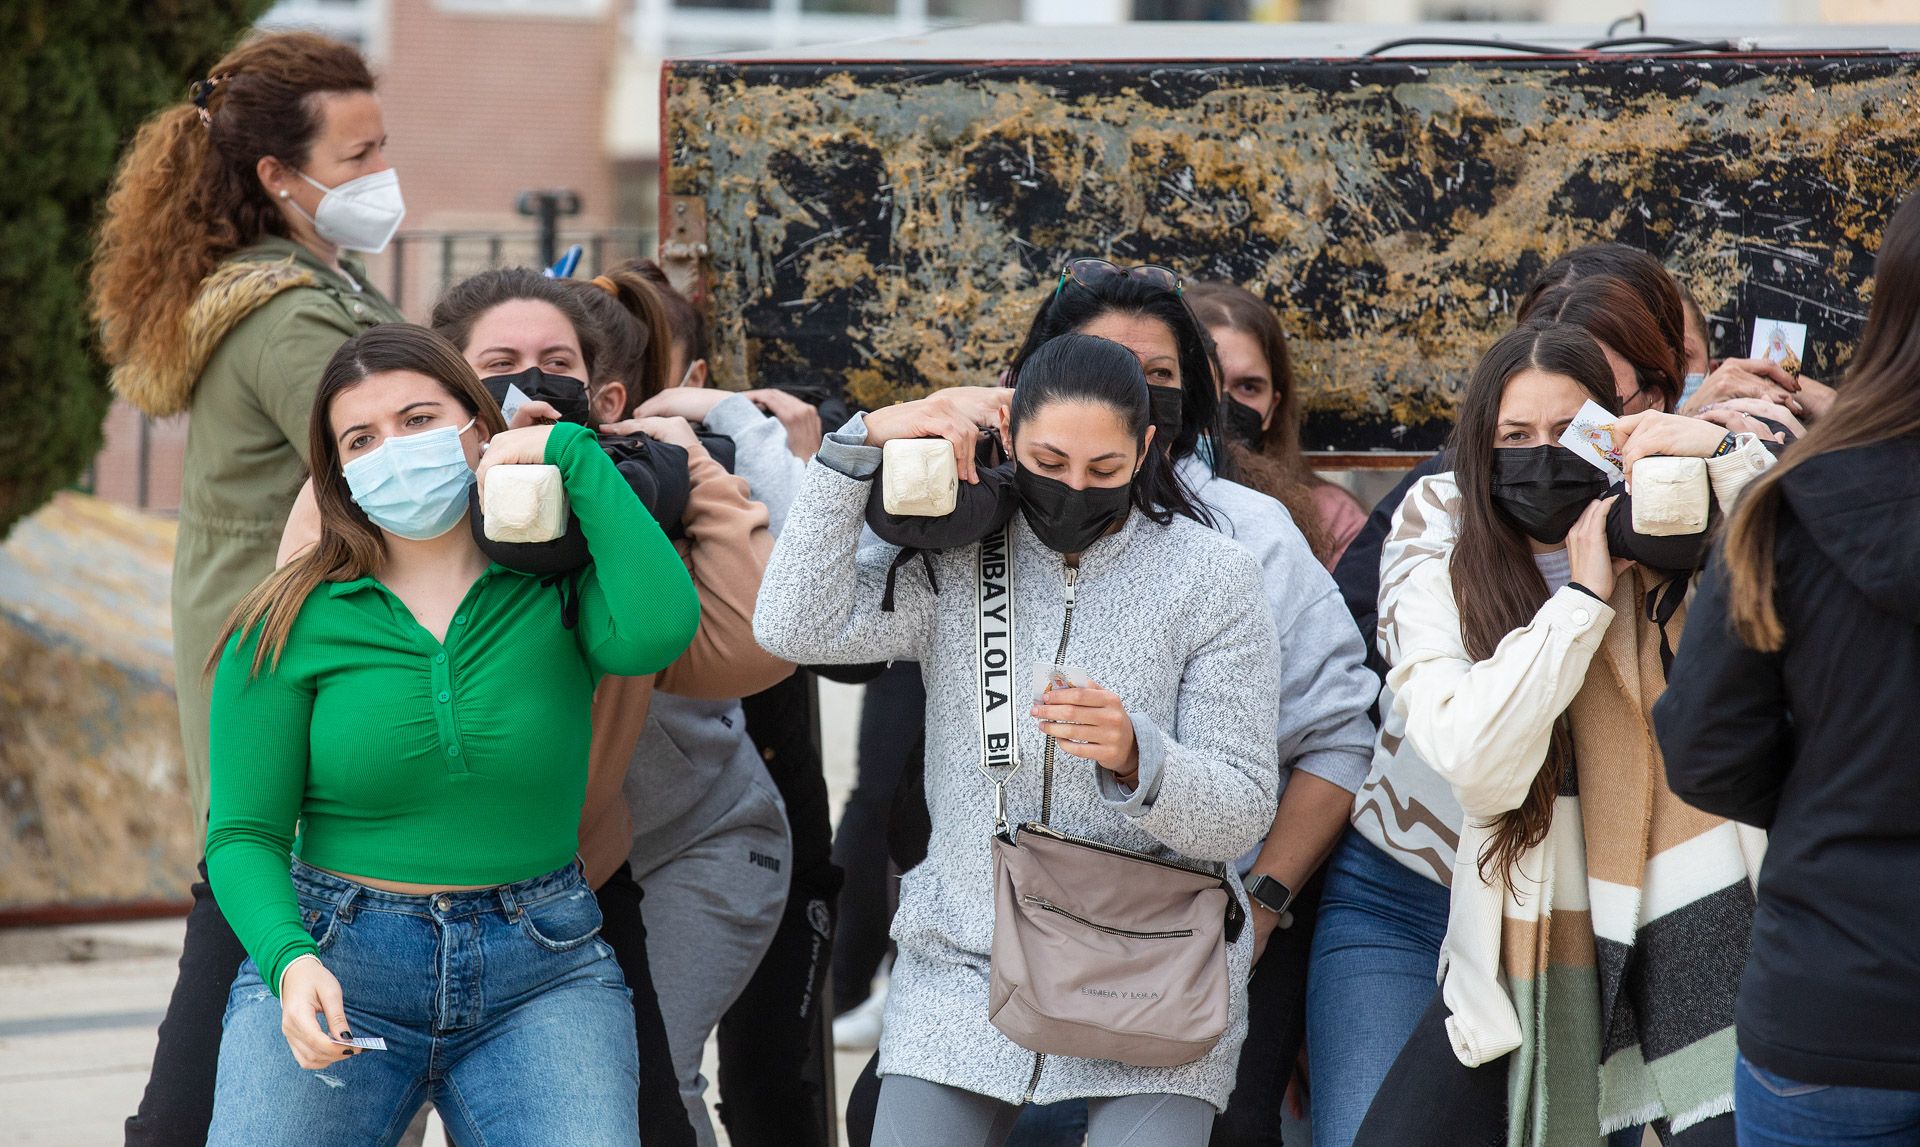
<point x="1781" y="341"/>
<point x="1047" y="676"/>
<point x="511" y="404"/>
<point x="1590" y="435"/>
<point x="363" y="1042"/>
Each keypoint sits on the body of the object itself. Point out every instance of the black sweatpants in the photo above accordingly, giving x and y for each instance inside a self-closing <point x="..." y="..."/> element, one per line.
<point x="177" y="1106"/>
<point x="775" y="1062"/>
<point x="663" y="1115"/>
<point x="893" y="727"/>
<point x="178" y="1103"/>
<point x="1276" y="1026"/>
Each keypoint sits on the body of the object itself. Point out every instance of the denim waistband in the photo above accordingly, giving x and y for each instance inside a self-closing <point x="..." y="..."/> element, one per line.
<point x="506" y="898"/>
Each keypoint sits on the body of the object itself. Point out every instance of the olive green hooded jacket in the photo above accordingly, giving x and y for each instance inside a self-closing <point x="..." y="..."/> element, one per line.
<point x="259" y="334"/>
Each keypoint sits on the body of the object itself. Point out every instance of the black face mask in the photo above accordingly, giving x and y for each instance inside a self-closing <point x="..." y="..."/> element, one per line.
<point x="1067" y="520"/>
<point x="565" y="394"/>
<point x="1166" y="408"/>
<point x="1242" y="424"/>
<point x="1673" y="554"/>
<point x="1542" y="490"/>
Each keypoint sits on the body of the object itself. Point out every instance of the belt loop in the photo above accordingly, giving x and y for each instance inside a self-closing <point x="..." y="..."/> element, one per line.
<point x="508" y="903"/>
<point x="344" y="909"/>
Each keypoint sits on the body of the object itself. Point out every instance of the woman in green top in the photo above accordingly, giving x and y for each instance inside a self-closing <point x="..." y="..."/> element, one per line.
<point x="221" y="285"/>
<point x="423" y="717"/>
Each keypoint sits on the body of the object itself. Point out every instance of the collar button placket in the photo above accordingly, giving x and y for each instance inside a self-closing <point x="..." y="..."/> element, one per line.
<point x="443" y="693"/>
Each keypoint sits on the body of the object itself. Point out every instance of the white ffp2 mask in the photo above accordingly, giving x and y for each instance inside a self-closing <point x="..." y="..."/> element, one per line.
<point x="361" y="214"/>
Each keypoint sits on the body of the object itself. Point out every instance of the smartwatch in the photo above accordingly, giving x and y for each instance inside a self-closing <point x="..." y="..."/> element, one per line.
<point x="1272" y="895"/>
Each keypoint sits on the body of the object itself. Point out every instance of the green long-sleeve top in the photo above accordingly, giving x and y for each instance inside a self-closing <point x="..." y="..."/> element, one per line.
<point x="402" y="758"/>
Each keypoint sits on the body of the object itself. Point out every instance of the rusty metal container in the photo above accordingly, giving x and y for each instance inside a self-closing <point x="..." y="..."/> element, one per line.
<point x="885" y="217"/>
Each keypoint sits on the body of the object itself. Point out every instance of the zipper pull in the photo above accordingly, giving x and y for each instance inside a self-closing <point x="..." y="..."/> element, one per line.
<point x="1073" y="575"/>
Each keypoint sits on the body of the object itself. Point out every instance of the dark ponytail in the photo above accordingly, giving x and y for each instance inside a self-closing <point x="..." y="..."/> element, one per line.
<point x="1082" y="368"/>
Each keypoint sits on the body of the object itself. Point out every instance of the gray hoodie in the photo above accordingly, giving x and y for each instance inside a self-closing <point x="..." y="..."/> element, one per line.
<point x="694" y="761"/>
<point x="1325" y="685"/>
<point x="1171" y="618"/>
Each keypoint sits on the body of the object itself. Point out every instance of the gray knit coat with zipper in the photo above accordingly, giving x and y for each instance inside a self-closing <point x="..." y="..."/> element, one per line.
<point x="1171" y="618"/>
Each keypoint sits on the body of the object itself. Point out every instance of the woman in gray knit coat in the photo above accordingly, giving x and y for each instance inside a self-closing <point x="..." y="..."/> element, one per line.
<point x="1177" y="755"/>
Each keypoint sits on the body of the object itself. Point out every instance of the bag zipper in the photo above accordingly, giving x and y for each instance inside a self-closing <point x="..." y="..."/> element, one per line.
<point x="1235" y="915"/>
<point x="1046" y="905"/>
<point x="1059" y="658"/>
<point x="1115" y="850"/>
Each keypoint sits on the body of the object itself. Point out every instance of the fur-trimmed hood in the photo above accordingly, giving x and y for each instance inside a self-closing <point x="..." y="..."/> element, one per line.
<point x="233" y="291"/>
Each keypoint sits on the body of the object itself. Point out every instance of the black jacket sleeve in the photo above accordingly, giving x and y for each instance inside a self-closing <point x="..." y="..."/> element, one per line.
<point x="1722" y="723"/>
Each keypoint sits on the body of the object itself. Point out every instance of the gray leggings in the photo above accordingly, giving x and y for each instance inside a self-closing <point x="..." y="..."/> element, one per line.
<point x="917" y="1113"/>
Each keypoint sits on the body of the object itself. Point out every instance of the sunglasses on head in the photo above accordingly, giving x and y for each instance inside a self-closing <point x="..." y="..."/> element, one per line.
<point x="1093" y="273"/>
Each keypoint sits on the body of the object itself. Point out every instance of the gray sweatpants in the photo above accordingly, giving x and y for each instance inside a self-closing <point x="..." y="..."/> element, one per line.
<point x="711" y="910"/>
<point x="918" y="1113"/>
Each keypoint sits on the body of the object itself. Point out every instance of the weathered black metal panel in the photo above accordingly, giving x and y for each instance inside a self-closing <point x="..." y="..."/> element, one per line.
<point x="892" y="227"/>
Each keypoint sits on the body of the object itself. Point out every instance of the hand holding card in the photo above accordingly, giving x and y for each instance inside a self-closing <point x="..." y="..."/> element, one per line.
<point x="1780" y="341"/>
<point x="1087" y="721"/>
<point x="363" y="1042"/>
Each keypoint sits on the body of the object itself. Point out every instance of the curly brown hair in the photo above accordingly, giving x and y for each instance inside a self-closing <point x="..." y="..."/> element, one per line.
<point x="187" y="193"/>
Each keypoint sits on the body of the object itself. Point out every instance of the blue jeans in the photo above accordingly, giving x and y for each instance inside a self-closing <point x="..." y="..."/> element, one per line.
<point x="1376" y="949"/>
<point x="1774" y="1111"/>
<point x="501" y="1006"/>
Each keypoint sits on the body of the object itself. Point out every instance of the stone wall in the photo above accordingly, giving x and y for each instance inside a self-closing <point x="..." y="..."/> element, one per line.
<point x="93" y="796"/>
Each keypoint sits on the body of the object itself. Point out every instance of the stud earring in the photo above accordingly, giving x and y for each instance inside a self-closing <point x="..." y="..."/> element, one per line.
<point x="283" y="193"/>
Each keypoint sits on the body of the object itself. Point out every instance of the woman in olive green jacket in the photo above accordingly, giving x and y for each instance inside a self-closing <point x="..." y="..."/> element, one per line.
<point x="222" y="287"/>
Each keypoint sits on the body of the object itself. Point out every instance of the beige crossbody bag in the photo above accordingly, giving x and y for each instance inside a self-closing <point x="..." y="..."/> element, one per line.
<point x="1099" y="952"/>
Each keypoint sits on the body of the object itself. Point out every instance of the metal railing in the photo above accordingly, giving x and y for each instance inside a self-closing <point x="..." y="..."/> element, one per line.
<point x="419" y="265"/>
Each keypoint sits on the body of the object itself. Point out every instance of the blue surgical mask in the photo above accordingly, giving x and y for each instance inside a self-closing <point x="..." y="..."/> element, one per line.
<point x="415" y="485"/>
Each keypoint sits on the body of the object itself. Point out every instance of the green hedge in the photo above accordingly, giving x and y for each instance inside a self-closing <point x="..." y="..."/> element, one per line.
<point x="76" y="79"/>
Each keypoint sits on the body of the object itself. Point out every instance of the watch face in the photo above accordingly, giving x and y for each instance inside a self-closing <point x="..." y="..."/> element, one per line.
<point x="1270" y="892"/>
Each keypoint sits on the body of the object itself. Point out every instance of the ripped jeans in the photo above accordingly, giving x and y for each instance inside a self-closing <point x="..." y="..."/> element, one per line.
<point x="502" y="1006"/>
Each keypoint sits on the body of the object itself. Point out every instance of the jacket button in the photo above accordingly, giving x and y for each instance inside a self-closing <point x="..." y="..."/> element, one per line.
<point x="453" y="750"/>
<point x="444" y="696"/>
<point x="1581" y="617"/>
<point x="359" y="309"/>
<point x="439" y="659"/>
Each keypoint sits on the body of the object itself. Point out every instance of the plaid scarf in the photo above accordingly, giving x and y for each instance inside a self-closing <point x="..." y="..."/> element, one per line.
<point x="1625" y="985"/>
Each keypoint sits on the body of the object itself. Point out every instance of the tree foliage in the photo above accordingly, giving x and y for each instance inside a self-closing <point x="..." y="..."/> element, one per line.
<point x="76" y="79"/>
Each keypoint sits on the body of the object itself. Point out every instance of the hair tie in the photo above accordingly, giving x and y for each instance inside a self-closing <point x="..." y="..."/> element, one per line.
<point x="607" y="285"/>
<point x="201" y="91"/>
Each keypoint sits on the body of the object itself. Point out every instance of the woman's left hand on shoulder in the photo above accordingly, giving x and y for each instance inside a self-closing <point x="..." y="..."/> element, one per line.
<point x="526" y="446"/>
<point x="1097" y="717"/>
<point x="1654" y="432"/>
<point x="666" y="428"/>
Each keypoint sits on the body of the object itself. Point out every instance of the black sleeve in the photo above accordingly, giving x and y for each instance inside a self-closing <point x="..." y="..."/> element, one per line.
<point x="1723" y="723"/>
<point x="1358" y="571"/>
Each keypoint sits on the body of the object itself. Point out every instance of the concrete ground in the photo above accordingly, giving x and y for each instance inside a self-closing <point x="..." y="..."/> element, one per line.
<point x="80" y="1006"/>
